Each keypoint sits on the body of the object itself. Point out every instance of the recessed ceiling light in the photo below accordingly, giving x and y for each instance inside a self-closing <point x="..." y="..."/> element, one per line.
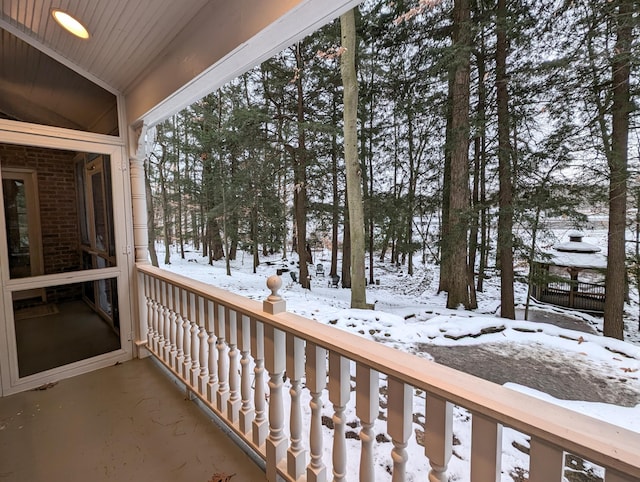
<point x="70" y="24"/>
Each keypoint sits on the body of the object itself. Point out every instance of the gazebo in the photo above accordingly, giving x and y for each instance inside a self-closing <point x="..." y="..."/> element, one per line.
<point x="572" y="274"/>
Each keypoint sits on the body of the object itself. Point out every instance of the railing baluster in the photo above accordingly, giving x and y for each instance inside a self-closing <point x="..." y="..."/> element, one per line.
<point x="296" y="454"/>
<point x="231" y="329"/>
<point x="367" y="409"/>
<point x="339" y="391"/>
<point x="244" y="340"/>
<point x="180" y="321"/>
<point x="316" y="370"/>
<point x="166" y="316"/>
<point x="223" y="360"/>
<point x="438" y="436"/>
<point x="546" y="461"/>
<point x="149" y="300"/>
<point x="275" y="363"/>
<point x="260" y="423"/>
<point x="212" y="383"/>
<point x="173" y="329"/>
<point x="159" y="318"/>
<point x="203" y="375"/>
<point x="186" y="329"/>
<point x="194" y="318"/>
<point x="486" y="449"/>
<point x="154" y="306"/>
<point x="399" y="422"/>
<point x="142" y="321"/>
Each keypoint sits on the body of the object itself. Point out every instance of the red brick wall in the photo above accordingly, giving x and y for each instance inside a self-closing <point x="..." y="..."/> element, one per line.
<point x="58" y="203"/>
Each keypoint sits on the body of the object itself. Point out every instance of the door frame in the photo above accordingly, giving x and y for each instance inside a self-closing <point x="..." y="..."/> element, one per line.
<point x="17" y="133"/>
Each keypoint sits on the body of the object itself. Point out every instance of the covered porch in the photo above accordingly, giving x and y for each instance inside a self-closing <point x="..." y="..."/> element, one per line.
<point x="308" y="402"/>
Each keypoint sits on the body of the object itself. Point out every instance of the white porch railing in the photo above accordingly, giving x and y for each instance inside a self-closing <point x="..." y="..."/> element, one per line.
<point x="235" y="354"/>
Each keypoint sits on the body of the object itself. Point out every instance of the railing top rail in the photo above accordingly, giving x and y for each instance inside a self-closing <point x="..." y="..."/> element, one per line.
<point x="597" y="441"/>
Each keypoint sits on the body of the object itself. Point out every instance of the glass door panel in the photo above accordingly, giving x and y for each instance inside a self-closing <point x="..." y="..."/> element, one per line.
<point x="21" y="217"/>
<point x="64" y="330"/>
<point x="59" y="220"/>
<point x="22" y="226"/>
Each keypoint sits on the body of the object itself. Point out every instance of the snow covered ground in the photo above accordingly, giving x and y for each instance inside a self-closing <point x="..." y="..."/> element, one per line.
<point x="408" y="311"/>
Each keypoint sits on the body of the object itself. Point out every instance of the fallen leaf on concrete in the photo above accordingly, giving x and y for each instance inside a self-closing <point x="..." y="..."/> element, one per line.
<point x="221" y="477"/>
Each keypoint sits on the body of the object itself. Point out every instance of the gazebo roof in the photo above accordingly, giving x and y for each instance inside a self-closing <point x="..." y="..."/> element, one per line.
<point x="575" y="253"/>
<point x="575" y="260"/>
<point x="576" y="245"/>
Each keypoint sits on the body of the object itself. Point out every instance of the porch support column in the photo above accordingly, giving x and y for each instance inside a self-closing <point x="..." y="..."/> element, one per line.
<point x="137" y="153"/>
<point x="138" y="194"/>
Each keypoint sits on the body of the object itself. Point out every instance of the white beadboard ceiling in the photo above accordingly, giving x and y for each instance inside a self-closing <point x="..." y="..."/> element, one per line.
<point x="126" y="35"/>
<point x="159" y="55"/>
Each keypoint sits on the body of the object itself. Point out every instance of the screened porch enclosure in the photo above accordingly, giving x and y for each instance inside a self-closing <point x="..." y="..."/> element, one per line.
<point x="58" y="228"/>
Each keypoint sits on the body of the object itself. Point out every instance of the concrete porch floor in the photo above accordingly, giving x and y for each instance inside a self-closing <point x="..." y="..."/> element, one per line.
<point x="128" y="422"/>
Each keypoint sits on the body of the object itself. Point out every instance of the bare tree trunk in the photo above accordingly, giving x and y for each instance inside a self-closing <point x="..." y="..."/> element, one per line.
<point x="178" y="186"/>
<point x="346" y="249"/>
<point x="300" y="177"/>
<point x="254" y="237"/>
<point x="354" y="175"/>
<point x="335" y="208"/>
<point x="459" y="200"/>
<point x="482" y="168"/>
<point x="151" y="219"/>
<point x="165" y="208"/>
<point x="505" y="198"/>
<point x="615" y="284"/>
<point x="445" y="246"/>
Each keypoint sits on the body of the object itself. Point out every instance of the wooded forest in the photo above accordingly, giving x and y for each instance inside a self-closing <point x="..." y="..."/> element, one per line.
<point x="476" y="121"/>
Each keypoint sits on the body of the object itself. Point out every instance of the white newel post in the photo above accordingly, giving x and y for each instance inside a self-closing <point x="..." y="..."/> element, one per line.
<point x="275" y="363"/>
<point x="137" y="155"/>
<point x="260" y="424"/>
<point x="486" y="449"/>
<point x="367" y="408"/>
<point x="438" y="436"/>
<point x="223" y="359"/>
<point x="316" y="371"/>
<point x="244" y="340"/>
<point x="546" y="462"/>
<point x="233" y="404"/>
<point x="274" y="303"/>
<point x="339" y="391"/>
<point x="296" y="455"/>
<point x="212" y="383"/>
<point x="399" y="422"/>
